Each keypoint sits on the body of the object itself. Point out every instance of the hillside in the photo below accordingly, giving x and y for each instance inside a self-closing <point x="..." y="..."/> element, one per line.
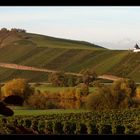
<point x="61" y="54"/>
<point x="17" y="37"/>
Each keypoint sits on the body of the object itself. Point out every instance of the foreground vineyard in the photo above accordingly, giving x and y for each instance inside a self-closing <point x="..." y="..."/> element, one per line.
<point x="105" y="122"/>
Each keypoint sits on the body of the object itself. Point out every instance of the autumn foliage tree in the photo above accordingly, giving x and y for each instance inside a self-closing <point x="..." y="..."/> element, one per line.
<point x="88" y="77"/>
<point x="117" y="96"/>
<point x="57" y="79"/>
<point x="19" y="87"/>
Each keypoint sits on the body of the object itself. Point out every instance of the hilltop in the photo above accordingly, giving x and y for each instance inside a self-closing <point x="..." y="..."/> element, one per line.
<point x="20" y="47"/>
<point x="19" y="37"/>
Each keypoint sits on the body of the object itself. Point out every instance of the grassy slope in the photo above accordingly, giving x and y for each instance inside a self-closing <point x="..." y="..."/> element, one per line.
<point x="52" y="42"/>
<point x="68" y="55"/>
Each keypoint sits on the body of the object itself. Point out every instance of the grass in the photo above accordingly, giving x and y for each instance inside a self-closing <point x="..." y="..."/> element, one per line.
<point x="52" y="42"/>
<point x="46" y="112"/>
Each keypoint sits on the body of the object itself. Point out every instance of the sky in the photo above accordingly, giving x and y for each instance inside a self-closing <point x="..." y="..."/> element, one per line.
<point x="109" y="26"/>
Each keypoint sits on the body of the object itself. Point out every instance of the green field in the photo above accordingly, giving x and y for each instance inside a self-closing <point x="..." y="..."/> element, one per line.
<point x="45" y="112"/>
<point x="63" y="55"/>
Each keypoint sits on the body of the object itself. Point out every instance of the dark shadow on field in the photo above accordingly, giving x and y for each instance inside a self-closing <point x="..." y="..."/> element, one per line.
<point x="10" y="100"/>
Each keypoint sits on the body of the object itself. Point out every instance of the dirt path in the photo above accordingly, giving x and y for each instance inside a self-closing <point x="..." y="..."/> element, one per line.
<point x="21" y="67"/>
<point x="110" y="77"/>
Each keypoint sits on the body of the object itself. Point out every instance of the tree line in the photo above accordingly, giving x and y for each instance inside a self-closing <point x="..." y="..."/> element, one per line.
<point x="13" y="30"/>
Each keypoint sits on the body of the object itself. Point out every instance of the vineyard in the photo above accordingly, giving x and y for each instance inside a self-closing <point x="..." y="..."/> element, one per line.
<point x="105" y="122"/>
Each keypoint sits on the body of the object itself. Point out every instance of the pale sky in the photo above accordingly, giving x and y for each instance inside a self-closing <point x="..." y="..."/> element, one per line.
<point x="109" y="26"/>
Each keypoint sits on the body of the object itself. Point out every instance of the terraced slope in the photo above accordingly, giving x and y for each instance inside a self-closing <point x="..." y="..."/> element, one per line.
<point x="60" y="54"/>
<point x="69" y="60"/>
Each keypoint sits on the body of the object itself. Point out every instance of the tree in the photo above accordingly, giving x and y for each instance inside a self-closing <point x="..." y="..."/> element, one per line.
<point x="123" y="91"/>
<point x="125" y="86"/>
<point x="4" y="30"/>
<point x="18" y="30"/>
<point x="71" y="81"/>
<point x="89" y="76"/>
<point x="57" y="79"/>
<point x="118" y="96"/>
<point x="16" y="87"/>
<point x="101" y="99"/>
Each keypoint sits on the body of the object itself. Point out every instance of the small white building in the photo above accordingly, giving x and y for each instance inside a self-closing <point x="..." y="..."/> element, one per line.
<point x="136" y="48"/>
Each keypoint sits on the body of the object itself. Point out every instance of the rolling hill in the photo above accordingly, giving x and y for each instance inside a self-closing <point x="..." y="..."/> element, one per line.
<point x="62" y="54"/>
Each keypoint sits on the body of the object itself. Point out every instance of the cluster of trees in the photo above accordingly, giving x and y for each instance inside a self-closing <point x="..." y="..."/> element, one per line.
<point x="121" y="94"/>
<point x="13" y="30"/>
<point x="60" y="79"/>
<point x="67" y="98"/>
<point x="16" y="89"/>
<point x="19" y="92"/>
<point x="19" y="87"/>
<point x="14" y="92"/>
